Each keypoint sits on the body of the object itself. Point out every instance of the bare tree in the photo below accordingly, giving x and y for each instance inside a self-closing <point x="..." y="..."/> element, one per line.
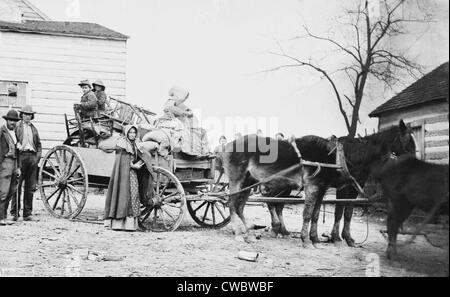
<point x="368" y="53"/>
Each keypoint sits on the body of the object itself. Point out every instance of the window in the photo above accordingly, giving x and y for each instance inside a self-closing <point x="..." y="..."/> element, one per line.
<point x="13" y="94"/>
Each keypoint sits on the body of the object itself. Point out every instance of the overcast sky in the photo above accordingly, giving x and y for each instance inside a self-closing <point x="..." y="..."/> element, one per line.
<point x="217" y="48"/>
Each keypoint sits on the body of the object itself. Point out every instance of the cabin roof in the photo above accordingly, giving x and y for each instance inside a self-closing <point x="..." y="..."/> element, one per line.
<point x="78" y="29"/>
<point x="430" y="88"/>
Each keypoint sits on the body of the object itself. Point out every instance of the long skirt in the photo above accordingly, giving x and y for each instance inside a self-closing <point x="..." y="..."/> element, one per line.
<point x="130" y="223"/>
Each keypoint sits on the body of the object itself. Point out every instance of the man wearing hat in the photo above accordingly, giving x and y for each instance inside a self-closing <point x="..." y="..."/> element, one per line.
<point x="9" y="171"/>
<point x="30" y="151"/>
<point x="88" y="105"/>
<point x="99" y="91"/>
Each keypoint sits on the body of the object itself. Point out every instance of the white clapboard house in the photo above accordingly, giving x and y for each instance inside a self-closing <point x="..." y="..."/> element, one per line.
<point x="424" y="105"/>
<point x="42" y="61"/>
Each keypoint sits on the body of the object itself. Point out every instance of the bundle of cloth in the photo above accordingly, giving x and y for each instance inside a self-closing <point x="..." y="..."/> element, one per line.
<point x="176" y="131"/>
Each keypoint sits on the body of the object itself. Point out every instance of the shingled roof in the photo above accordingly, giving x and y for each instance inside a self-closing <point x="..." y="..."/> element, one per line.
<point x="432" y="87"/>
<point x="80" y="29"/>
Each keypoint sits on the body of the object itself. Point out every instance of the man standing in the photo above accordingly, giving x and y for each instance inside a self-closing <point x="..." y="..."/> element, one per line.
<point x="30" y="151"/>
<point x="9" y="171"/>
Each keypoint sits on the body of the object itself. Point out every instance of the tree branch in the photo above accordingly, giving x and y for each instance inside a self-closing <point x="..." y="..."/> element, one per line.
<point x="333" y="42"/>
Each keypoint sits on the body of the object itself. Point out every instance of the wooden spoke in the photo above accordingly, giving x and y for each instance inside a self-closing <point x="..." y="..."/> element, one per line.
<point x="170" y="192"/>
<point x="63" y="164"/>
<point x="63" y="205"/>
<point x="57" y="199"/>
<point x="149" y="211"/>
<point x="75" y="189"/>
<point x="213" y="213"/>
<point x="172" y="205"/>
<point x="164" y="221"/>
<point x="167" y="212"/>
<point x="56" y="171"/>
<point x="201" y="205"/>
<point x="58" y="160"/>
<point x="70" y="164"/>
<point x="49" y="174"/>
<point x="164" y="189"/>
<point x="73" y="197"/>
<point x="220" y="211"/>
<point x="155" y="216"/>
<point x="73" y="171"/>
<point x="169" y="196"/>
<point x="206" y="212"/>
<point x="53" y="194"/>
<point x="75" y="180"/>
<point x="66" y="196"/>
<point x="157" y="183"/>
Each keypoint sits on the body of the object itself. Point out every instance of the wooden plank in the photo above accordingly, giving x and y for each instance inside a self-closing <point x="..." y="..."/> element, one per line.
<point x="24" y="72"/>
<point x="66" y="95"/>
<point x="439" y="161"/>
<point x="437" y="138"/>
<point x="182" y="164"/>
<point x="436" y="143"/>
<point x="61" y="80"/>
<point x="65" y="65"/>
<point x="413" y="114"/>
<point x="436" y="126"/>
<point x="436" y="155"/>
<point x="436" y="149"/>
<point x="75" y="59"/>
<point x="62" y="41"/>
<point x="93" y="48"/>
<point x="437" y="132"/>
<point x="53" y="134"/>
<point x="69" y="88"/>
<point x="437" y="119"/>
<point x="65" y="52"/>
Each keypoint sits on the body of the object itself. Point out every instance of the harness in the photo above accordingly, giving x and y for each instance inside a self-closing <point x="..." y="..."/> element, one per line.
<point x="341" y="163"/>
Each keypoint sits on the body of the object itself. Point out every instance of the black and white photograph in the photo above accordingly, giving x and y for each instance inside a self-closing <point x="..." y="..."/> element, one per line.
<point x="206" y="140"/>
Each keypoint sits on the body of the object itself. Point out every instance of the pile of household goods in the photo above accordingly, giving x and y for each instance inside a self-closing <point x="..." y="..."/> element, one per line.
<point x="176" y="131"/>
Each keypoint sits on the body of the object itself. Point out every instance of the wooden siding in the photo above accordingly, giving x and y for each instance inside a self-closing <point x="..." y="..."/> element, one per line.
<point x="434" y="118"/>
<point x="52" y="66"/>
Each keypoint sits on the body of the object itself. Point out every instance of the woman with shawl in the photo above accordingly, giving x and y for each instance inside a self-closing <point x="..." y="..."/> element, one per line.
<point x="122" y="207"/>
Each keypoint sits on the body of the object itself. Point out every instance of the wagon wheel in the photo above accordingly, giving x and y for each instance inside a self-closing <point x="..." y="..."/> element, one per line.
<point x="63" y="182"/>
<point x="211" y="213"/>
<point x="167" y="208"/>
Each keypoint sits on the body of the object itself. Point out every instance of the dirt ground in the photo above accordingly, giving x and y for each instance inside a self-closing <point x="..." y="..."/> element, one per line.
<point x="56" y="247"/>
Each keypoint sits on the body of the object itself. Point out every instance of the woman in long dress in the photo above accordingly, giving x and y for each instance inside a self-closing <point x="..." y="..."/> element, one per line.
<point x="122" y="207"/>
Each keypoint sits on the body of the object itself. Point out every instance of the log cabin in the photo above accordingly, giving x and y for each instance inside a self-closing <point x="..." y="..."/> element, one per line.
<point x="424" y="106"/>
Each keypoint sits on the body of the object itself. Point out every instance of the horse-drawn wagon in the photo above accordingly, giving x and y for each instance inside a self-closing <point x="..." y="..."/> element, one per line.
<point x="67" y="172"/>
<point x="180" y="183"/>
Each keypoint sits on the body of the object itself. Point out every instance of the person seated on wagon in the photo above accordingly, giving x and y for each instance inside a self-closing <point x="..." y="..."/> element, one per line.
<point x="194" y="140"/>
<point x="99" y="91"/>
<point x="88" y="104"/>
<point x="175" y="105"/>
<point x="122" y="206"/>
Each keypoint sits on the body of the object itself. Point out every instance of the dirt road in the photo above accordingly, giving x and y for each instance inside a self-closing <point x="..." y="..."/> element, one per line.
<point x="55" y="247"/>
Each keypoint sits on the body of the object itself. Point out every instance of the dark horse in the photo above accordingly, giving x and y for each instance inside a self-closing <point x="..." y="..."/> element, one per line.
<point x="409" y="183"/>
<point x="244" y="168"/>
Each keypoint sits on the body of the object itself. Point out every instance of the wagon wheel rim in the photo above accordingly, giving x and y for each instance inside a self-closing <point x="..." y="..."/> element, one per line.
<point x="168" y="207"/>
<point x="63" y="182"/>
<point x="211" y="213"/>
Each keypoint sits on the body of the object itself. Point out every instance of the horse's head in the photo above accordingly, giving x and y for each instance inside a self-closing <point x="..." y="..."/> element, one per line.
<point x="403" y="142"/>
